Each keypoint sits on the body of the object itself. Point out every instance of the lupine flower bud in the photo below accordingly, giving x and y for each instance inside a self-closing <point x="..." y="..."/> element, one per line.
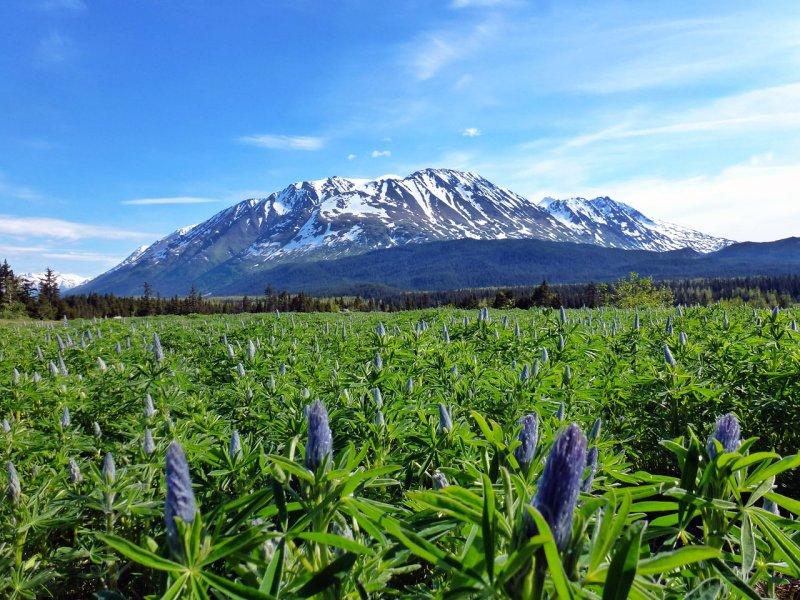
<point x="545" y="356"/>
<point x="454" y="371"/>
<point x="445" y="334"/>
<point x="409" y="386"/>
<point x="149" y="409"/>
<point x="6" y="426"/>
<point x="101" y="364"/>
<point x="775" y="312"/>
<point x="769" y="506"/>
<point x="727" y="433"/>
<point x="109" y="468"/>
<point x="96" y="430"/>
<point x="14" y="489"/>
<point x="682" y="339"/>
<point x="282" y="369"/>
<point x="517" y="331"/>
<point x="75" y="475"/>
<point x="562" y="409"/>
<point x="62" y="367"/>
<point x="525" y="375"/>
<point x="567" y="378"/>
<point x="319" y="448"/>
<point x="149" y="445"/>
<point x="180" y="501"/>
<point x="380" y="330"/>
<point x="380" y="421"/>
<point x="439" y="480"/>
<point x="591" y="464"/>
<point x="668" y="358"/>
<point x="793" y="325"/>
<point x="377" y="398"/>
<point x="235" y="446"/>
<point x="668" y="327"/>
<point x="118" y="348"/>
<point x="36" y="377"/>
<point x="53" y="368"/>
<point x="39" y="353"/>
<point x="537" y="366"/>
<point x="240" y="370"/>
<point x="637" y="324"/>
<point x="378" y="361"/>
<point x="15" y="376"/>
<point x="158" y="351"/>
<point x="65" y="420"/>
<point x="528" y="437"/>
<point x="594" y="433"/>
<point x="445" y="422"/>
<point x="559" y="484"/>
<point x="562" y="315"/>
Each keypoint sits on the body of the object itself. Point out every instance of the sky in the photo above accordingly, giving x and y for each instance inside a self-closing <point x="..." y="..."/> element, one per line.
<point x="123" y="121"/>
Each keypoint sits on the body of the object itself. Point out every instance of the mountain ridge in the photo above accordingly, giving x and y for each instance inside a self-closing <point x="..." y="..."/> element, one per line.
<point x="327" y="219"/>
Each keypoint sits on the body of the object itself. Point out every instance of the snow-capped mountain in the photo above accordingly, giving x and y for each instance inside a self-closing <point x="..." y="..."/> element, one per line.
<point x="65" y="281"/>
<point x="335" y="217"/>
<point x="606" y="222"/>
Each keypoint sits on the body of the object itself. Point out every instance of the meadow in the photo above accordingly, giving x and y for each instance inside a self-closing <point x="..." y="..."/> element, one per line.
<point x="433" y="454"/>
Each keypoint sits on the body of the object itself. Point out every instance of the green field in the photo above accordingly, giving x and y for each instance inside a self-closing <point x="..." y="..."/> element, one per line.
<point x="422" y="494"/>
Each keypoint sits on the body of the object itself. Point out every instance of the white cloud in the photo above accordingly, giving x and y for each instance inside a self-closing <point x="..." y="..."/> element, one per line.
<point x="56" y="48"/>
<point x="169" y="200"/>
<point x="752" y="201"/>
<point x="284" y="142"/>
<point x="44" y="227"/>
<point x="58" y="253"/>
<point x="351" y="157"/>
<point x="18" y="192"/>
<point x="471" y="132"/>
<point x="433" y="51"/>
<point x="479" y="3"/>
<point x="381" y="153"/>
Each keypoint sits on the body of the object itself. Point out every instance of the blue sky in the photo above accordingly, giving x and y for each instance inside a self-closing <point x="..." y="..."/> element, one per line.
<point x="122" y="121"/>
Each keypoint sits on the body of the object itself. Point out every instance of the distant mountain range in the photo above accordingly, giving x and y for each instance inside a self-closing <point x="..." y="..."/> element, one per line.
<point x="310" y="225"/>
<point x="66" y="281"/>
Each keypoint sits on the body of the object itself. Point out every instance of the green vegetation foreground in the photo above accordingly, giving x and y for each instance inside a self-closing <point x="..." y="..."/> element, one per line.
<point x="519" y="454"/>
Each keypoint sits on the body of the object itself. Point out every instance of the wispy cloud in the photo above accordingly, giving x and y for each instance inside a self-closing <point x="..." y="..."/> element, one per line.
<point x="169" y="200"/>
<point x="471" y="132"/>
<point x="284" y="142"/>
<point x="381" y="153"/>
<point x="59" y="254"/>
<point x="433" y="51"/>
<point x="44" y="227"/>
<point x="17" y="192"/>
<point x="351" y="157"/>
<point x="55" y="49"/>
<point x="479" y="3"/>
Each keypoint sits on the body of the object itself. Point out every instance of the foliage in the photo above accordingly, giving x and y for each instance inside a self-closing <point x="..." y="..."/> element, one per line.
<point x="426" y="490"/>
<point x="641" y="292"/>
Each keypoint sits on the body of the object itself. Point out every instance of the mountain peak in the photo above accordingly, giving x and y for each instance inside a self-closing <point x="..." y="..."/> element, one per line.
<point x="323" y="219"/>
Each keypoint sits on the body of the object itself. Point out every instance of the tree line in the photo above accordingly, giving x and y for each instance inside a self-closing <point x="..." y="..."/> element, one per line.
<point x="20" y="298"/>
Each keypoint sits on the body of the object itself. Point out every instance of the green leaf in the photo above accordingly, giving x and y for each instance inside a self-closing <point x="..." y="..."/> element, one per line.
<point x="232" y="589"/>
<point x="789" y="462"/>
<point x="271" y="582"/>
<point x="669" y="561"/>
<point x="176" y="588"/>
<point x="733" y="580"/>
<point x="487" y="525"/>
<point x="780" y="541"/>
<point x="330" y="539"/>
<point x="748" y="546"/>
<point x="622" y="570"/>
<point x="556" y="569"/>
<point x="140" y="555"/>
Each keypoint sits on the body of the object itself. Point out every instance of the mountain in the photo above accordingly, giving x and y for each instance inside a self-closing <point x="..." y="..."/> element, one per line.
<point x="336" y="217"/>
<point x="66" y="281"/>
<point x="606" y="222"/>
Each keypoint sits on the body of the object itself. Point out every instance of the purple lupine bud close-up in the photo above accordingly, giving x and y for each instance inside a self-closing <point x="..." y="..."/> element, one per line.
<point x="235" y="446"/>
<point x="158" y="351"/>
<point x="6" y="426"/>
<point x="149" y="444"/>
<point x="98" y="433"/>
<point x="445" y="422"/>
<point x="591" y="465"/>
<point x="75" y="475"/>
<point x="319" y="447"/>
<point x="439" y="480"/>
<point x="559" y="485"/>
<point x="727" y="432"/>
<point x="668" y="358"/>
<point x="528" y="437"/>
<point x="377" y="397"/>
<point x="14" y="489"/>
<point x="594" y="432"/>
<point x="149" y="409"/>
<point x="65" y="419"/>
<point x="180" y="502"/>
<point x="109" y="468"/>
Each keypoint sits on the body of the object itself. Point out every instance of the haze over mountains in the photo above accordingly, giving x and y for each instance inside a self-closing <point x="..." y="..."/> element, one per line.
<point x="322" y="222"/>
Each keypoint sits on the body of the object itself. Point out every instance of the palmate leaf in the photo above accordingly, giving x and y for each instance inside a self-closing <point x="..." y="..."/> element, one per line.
<point x="669" y="561"/>
<point x="328" y="576"/>
<point x="779" y="541"/>
<point x="338" y="541"/>
<point x="232" y="589"/>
